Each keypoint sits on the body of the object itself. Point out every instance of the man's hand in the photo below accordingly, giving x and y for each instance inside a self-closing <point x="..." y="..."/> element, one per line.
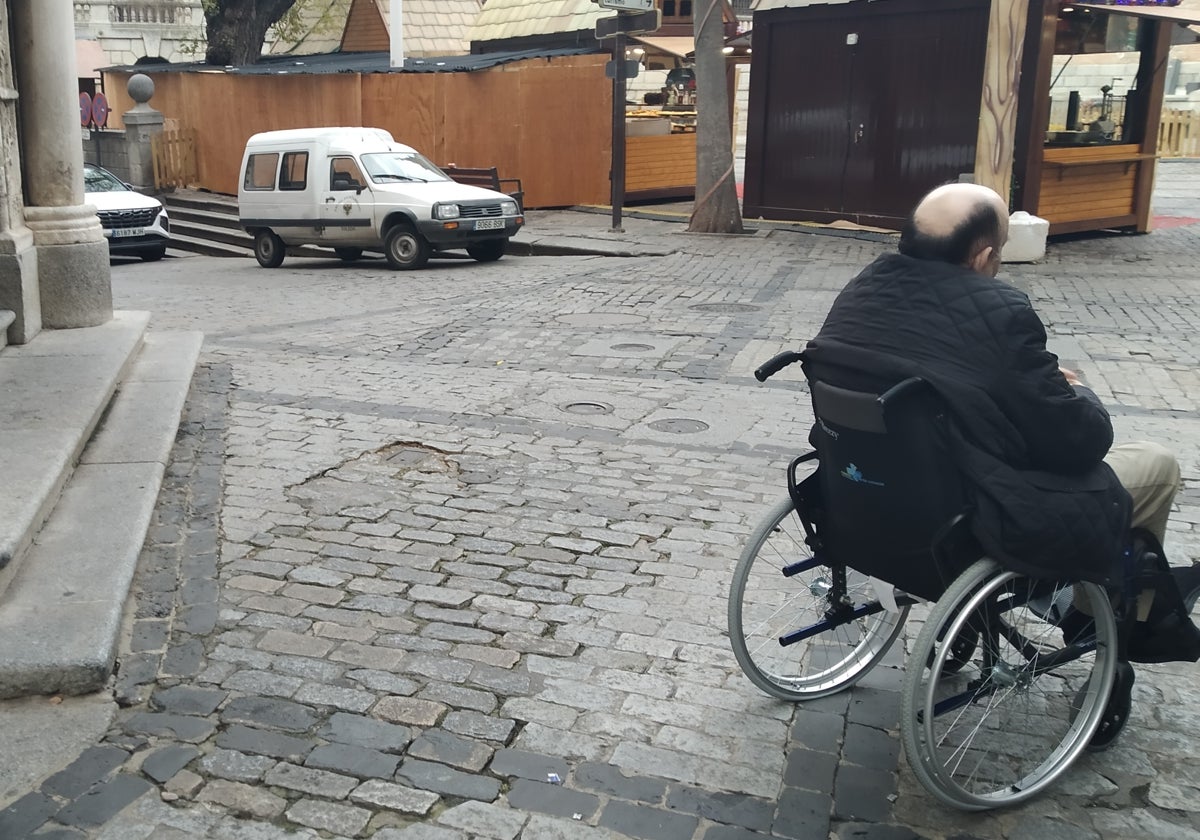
<point x="1071" y="376"/>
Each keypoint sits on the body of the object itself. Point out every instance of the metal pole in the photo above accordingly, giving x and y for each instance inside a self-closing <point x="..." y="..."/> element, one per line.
<point x="618" y="130"/>
<point x="396" y="33"/>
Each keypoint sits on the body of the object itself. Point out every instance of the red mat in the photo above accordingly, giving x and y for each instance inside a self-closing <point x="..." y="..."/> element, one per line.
<point x="1163" y="222"/>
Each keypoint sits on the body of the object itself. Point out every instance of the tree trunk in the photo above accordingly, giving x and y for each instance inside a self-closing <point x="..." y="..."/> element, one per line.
<point x="717" y="209"/>
<point x="236" y="29"/>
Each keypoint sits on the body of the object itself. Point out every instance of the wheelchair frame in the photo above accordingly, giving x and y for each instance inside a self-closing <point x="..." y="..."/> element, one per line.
<point x="994" y="708"/>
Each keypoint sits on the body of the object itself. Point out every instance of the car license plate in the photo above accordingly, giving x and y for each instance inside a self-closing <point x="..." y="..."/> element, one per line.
<point x="489" y="224"/>
<point x="118" y="232"/>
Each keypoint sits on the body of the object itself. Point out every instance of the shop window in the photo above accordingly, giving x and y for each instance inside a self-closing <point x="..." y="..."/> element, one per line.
<point x="293" y="175"/>
<point x="260" y="172"/>
<point x="1090" y="96"/>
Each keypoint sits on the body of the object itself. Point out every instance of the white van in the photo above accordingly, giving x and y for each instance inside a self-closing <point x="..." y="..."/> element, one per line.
<point x="353" y="189"/>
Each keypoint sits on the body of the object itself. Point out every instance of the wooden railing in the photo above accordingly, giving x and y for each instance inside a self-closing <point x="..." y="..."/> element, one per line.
<point x="1179" y="133"/>
<point x="174" y="154"/>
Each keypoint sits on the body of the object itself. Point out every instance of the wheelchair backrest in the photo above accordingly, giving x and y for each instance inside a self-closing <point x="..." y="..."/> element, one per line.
<point x="888" y="483"/>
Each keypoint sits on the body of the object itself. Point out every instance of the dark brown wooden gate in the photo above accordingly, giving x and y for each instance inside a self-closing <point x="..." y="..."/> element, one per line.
<point x="857" y="109"/>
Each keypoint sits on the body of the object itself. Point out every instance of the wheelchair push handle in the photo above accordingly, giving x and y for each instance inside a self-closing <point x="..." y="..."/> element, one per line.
<point x="776" y="364"/>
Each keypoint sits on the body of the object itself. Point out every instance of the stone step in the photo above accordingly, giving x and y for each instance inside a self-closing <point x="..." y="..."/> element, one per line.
<point x="210" y="218"/>
<point x="6" y="319"/>
<point x="61" y="616"/>
<point x="65" y="379"/>
<point x="193" y="200"/>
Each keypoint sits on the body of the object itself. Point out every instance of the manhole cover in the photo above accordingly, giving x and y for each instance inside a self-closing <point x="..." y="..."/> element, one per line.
<point x="633" y="348"/>
<point x="587" y="408"/>
<point x="724" y="307"/>
<point x="679" y="426"/>
<point x="599" y="319"/>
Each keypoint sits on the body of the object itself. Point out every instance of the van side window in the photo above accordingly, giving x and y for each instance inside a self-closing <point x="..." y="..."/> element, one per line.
<point x="260" y="172"/>
<point x="344" y="174"/>
<point x="293" y="175"/>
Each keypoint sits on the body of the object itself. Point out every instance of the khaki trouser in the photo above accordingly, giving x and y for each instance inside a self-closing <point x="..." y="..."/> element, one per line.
<point x="1151" y="475"/>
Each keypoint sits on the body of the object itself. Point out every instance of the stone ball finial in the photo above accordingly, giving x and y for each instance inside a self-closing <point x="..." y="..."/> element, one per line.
<point x="140" y="87"/>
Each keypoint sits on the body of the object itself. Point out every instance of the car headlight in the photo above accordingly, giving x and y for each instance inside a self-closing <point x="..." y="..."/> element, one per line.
<point x="508" y="208"/>
<point x="445" y="211"/>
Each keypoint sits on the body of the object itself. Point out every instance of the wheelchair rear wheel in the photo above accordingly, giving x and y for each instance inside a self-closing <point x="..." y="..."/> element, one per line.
<point x="765" y="605"/>
<point x="1000" y="726"/>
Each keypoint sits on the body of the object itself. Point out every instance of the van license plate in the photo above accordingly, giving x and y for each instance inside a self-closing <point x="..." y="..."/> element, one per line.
<point x="118" y="232"/>
<point x="489" y="224"/>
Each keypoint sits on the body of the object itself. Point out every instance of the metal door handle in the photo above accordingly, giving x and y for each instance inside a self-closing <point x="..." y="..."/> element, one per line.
<point x="858" y="135"/>
<point x="331" y="199"/>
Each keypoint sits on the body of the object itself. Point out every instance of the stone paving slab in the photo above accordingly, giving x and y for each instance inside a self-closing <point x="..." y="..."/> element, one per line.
<point x="395" y="587"/>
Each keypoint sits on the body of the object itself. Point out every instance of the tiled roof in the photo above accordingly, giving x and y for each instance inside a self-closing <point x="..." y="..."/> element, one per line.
<point x="502" y="19"/>
<point x="435" y="27"/>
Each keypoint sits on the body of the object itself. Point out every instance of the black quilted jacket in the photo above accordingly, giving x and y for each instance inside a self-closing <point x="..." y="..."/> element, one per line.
<point x="1030" y="444"/>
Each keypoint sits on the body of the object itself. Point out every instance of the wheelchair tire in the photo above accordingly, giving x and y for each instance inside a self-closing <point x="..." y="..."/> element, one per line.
<point x="764" y="604"/>
<point x="1000" y="727"/>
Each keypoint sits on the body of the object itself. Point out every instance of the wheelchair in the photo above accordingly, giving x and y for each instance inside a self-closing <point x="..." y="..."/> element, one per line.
<point x="1008" y="679"/>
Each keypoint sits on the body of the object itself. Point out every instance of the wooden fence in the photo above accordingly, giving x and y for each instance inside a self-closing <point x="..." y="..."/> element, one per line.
<point x="1179" y="133"/>
<point x="174" y="154"/>
<point x="546" y="121"/>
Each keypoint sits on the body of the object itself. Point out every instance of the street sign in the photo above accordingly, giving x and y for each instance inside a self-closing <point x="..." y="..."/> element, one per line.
<point x="631" y="24"/>
<point x="85" y="108"/>
<point x="99" y="110"/>
<point x="626" y="5"/>
<point x="631" y="69"/>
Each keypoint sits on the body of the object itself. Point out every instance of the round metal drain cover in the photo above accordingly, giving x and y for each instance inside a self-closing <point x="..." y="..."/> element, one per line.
<point x="679" y="426"/>
<point x="633" y="348"/>
<point x="587" y="408"/>
<point x="725" y="307"/>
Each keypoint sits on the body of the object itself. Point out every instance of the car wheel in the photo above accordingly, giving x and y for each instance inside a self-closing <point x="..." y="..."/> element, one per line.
<point x="489" y="251"/>
<point x="268" y="249"/>
<point x="154" y="254"/>
<point x="405" y="248"/>
<point x="348" y="254"/>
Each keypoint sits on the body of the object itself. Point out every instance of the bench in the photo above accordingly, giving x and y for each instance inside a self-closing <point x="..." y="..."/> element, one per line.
<point x="488" y="178"/>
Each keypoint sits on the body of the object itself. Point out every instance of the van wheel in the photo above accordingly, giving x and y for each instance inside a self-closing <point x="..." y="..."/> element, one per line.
<point x="489" y="251"/>
<point x="348" y="254"/>
<point x="268" y="249"/>
<point x="405" y="248"/>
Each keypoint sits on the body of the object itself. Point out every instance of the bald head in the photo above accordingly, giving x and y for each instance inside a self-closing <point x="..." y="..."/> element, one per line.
<point x="962" y="224"/>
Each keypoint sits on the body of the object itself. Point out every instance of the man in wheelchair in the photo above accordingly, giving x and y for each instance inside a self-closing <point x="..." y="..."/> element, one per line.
<point x="1049" y="493"/>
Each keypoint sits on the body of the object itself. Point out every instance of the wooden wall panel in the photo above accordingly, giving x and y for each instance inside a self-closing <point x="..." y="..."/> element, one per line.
<point x="660" y="162"/>
<point x="365" y="30"/>
<point x="566" y="140"/>
<point x="1088" y="183"/>
<point x="545" y="121"/>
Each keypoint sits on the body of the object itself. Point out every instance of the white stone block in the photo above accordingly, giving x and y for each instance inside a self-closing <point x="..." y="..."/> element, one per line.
<point x="1026" y="238"/>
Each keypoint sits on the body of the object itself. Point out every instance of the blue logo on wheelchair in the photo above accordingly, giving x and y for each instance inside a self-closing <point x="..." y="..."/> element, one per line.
<point x="853" y="473"/>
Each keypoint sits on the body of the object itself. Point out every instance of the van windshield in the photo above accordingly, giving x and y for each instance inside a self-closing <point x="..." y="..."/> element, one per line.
<point x="384" y="167"/>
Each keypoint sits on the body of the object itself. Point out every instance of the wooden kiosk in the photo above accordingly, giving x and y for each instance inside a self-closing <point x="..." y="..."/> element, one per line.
<point x="1087" y="162"/>
<point x="912" y="96"/>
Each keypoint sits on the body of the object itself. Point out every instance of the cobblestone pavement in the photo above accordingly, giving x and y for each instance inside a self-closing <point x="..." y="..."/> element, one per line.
<point x="445" y="555"/>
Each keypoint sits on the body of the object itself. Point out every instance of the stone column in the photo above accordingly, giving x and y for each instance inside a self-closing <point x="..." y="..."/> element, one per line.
<point x="141" y="123"/>
<point x="73" y="269"/>
<point x="18" y="258"/>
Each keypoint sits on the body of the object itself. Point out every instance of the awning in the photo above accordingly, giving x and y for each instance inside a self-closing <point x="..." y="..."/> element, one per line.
<point x="680" y="47"/>
<point x="89" y="56"/>
<point x="1175" y="14"/>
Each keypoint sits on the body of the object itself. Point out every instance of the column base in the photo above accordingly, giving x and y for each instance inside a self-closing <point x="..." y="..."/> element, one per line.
<point x="19" y="285"/>
<point x="73" y="269"/>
